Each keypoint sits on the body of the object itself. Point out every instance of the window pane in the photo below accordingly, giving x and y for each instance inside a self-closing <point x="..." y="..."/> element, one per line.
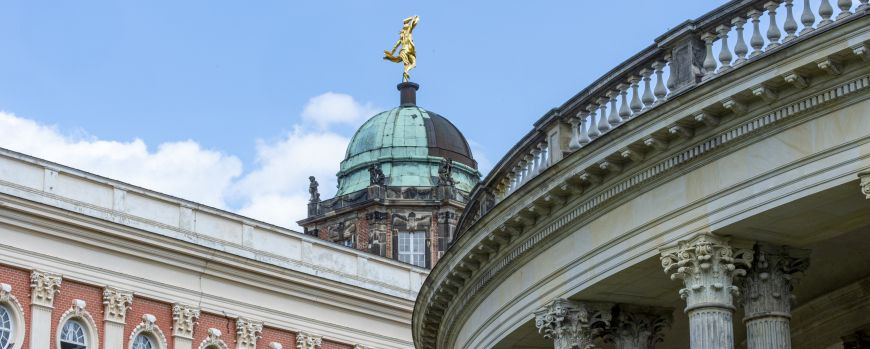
<point x="73" y="335"/>
<point x="142" y="342"/>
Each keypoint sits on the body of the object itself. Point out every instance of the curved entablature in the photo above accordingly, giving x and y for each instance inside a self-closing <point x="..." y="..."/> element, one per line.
<point x="575" y="163"/>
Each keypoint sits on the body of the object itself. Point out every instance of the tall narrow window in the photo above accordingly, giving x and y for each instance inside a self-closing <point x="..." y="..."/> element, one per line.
<point x="142" y="342"/>
<point x="412" y="248"/>
<point x="5" y="328"/>
<point x="72" y="336"/>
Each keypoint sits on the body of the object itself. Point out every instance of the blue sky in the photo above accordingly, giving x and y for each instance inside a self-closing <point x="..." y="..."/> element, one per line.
<point x="237" y="79"/>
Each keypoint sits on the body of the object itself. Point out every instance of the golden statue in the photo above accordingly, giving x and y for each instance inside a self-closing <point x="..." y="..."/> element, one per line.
<point x="407" y="54"/>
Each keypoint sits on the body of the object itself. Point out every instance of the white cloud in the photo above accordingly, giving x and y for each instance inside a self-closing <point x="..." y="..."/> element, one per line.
<point x="274" y="189"/>
<point x="335" y="108"/>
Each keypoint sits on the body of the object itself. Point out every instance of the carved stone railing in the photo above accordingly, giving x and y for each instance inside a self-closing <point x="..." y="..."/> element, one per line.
<point x="694" y="52"/>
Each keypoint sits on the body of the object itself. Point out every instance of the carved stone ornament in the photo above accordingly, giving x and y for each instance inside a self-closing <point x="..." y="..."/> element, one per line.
<point x="5" y="293"/>
<point x="707" y="266"/>
<point x="639" y="327"/>
<point x="248" y="332"/>
<point x="183" y="319"/>
<point x="79" y="312"/>
<point x="149" y="325"/>
<point x="116" y="304"/>
<point x="573" y="324"/>
<point x="213" y="339"/>
<point x="769" y="284"/>
<point x="865" y="184"/>
<point x="307" y="341"/>
<point x="43" y="287"/>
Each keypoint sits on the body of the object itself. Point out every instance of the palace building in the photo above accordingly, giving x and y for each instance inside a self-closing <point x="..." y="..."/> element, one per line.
<point x="710" y="192"/>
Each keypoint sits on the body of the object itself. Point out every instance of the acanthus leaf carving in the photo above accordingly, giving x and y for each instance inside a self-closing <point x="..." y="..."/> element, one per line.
<point x="707" y="265"/>
<point x="639" y="327"/>
<point x="248" y="332"/>
<point x="116" y="303"/>
<point x="573" y="324"/>
<point x="308" y="341"/>
<point x="43" y="287"/>
<point x="184" y="318"/>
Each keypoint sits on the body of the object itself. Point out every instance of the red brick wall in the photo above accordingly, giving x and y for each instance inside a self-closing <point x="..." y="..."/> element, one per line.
<point x="334" y="345"/>
<point x="433" y="239"/>
<point x="286" y="338"/>
<point x="20" y="281"/>
<point x="141" y="306"/>
<point x="362" y="232"/>
<point x="389" y="235"/>
<point x="226" y="325"/>
<point x="71" y="290"/>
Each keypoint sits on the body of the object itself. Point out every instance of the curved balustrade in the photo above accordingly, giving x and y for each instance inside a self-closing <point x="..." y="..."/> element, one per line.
<point x="681" y="59"/>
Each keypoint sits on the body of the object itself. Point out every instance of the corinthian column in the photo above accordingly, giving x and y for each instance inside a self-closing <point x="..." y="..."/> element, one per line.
<point x="707" y="264"/>
<point x="184" y="319"/>
<point x="767" y="296"/>
<point x="639" y="327"/>
<point x="43" y="287"/>
<point x="573" y="324"/>
<point x="116" y="303"/>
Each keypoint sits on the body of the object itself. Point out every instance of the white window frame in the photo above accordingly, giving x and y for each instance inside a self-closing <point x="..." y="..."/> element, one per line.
<point x="74" y="322"/>
<point x="16" y="314"/>
<point x="78" y="314"/>
<point x="149" y="329"/>
<point x="412" y="246"/>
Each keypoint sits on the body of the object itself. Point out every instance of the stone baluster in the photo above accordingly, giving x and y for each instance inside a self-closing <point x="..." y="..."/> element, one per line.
<point x="807" y="18"/>
<point x="522" y="171"/>
<point x="790" y="25"/>
<point x="740" y="48"/>
<point x="724" y="53"/>
<point x="43" y="287"/>
<point x="709" y="62"/>
<point x="825" y="11"/>
<point x="593" y="126"/>
<point x="636" y="105"/>
<point x="583" y="138"/>
<point x="647" y="97"/>
<point x="755" y="41"/>
<point x="659" y="91"/>
<point x="707" y="265"/>
<point x="573" y="324"/>
<point x="773" y="33"/>
<point x="544" y="150"/>
<point x="844" y="6"/>
<point x="638" y="327"/>
<point x="672" y="77"/>
<point x="624" y="111"/>
<point x="527" y="174"/>
<point x="614" y="119"/>
<point x="512" y="177"/>
<point x="768" y="296"/>
<point x="603" y="124"/>
<point x="574" y="143"/>
<point x="863" y="6"/>
<point x="536" y="160"/>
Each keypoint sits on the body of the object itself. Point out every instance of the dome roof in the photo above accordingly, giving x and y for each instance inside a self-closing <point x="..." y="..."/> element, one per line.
<point x="410" y="143"/>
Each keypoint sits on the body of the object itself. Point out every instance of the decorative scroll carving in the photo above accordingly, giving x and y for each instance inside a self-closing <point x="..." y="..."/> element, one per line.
<point x="43" y="287"/>
<point x="639" y="327"/>
<point x="707" y="265"/>
<point x="573" y="324"/>
<point x="307" y="341"/>
<point x="865" y="183"/>
<point x="116" y="304"/>
<point x="248" y="332"/>
<point x="184" y="317"/>
<point x="149" y="325"/>
<point x="213" y="339"/>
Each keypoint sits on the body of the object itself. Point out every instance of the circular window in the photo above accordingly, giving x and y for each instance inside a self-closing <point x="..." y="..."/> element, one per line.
<point x="5" y="328"/>
<point x="72" y="336"/>
<point x="142" y="342"/>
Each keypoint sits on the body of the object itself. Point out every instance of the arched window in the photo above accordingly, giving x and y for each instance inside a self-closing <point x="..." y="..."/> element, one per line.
<point x="6" y="329"/>
<point x="143" y="342"/>
<point x="72" y="336"/>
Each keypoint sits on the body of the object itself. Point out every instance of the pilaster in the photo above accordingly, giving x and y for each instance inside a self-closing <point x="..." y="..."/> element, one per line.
<point x="43" y="287"/>
<point x="308" y="341"/>
<point x="184" y="319"/>
<point x="116" y="302"/>
<point x="572" y="324"/>
<point x="247" y="333"/>
<point x="768" y="295"/>
<point x="707" y="265"/>
<point x="639" y="327"/>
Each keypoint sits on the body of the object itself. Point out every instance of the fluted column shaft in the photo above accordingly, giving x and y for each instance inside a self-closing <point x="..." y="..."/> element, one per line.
<point x="767" y="299"/>
<point x="707" y="265"/>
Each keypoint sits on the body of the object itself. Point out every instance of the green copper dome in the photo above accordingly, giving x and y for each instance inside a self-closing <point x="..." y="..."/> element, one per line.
<point x="410" y="144"/>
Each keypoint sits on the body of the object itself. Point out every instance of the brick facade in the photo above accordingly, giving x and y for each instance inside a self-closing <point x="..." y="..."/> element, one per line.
<point x="70" y="290"/>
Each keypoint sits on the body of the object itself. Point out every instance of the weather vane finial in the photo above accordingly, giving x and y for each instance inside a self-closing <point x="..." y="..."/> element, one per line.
<point x="407" y="54"/>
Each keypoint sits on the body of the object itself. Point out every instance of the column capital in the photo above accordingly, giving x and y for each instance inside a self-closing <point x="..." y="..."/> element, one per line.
<point x="865" y="183"/>
<point x="707" y="265"/>
<point x="184" y="317"/>
<point x="248" y="332"/>
<point x="116" y="304"/>
<point x="769" y="283"/>
<point x="308" y="341"/>
<point x="639" y="327"/>
<point x="44" y="286"/>
<point x="572" y="324"/>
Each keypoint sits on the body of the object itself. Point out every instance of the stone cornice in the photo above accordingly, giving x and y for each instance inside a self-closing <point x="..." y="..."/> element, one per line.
<point x="527" y="209"/>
